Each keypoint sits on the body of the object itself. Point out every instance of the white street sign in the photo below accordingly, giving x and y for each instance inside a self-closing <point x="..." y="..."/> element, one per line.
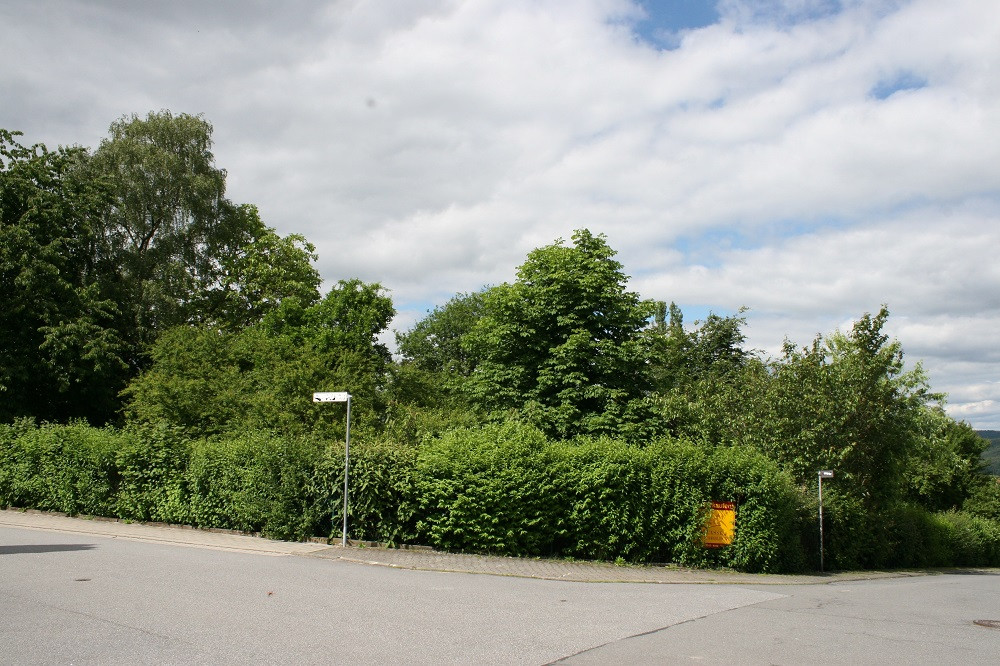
<point x="335" y="396"/>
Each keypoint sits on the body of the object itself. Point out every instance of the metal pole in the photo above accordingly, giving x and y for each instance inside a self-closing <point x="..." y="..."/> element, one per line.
<point x="347" y="456"/>
<point x="820" y="477"/>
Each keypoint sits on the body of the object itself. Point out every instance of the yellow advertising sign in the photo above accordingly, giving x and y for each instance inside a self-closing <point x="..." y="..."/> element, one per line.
<point x="720" y="525"/>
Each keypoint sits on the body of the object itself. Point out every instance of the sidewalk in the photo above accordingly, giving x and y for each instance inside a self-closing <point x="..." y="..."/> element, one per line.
<point x="419" y="559"/>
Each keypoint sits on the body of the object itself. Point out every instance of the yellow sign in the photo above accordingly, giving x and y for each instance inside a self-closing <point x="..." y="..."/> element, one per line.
<point x="720" y="526"/>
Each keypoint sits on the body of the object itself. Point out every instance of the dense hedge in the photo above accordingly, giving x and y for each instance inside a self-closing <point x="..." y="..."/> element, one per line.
<point x="502" y="489"/>
<point x="506" y="489"/>
<point x="905" y="536"/>
<point x="254" y="482"/>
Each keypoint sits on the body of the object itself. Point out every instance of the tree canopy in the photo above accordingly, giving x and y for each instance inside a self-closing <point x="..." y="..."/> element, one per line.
<point x="102" y="252"/>
<point x="62" y="354"/>
<point x="204" y="379"/>
<point x="563" y="342"/>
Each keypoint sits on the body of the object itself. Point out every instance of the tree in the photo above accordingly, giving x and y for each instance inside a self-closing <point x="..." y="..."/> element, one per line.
<point x="678" y="357"/>
<point x="944" y="466"/>
<point x="562" y="343"/>
<point x="437" y="343"/>
<point x="260" y="273"/>
<point x="165" y="224"/>
<point x="426" y="394"/>
<point x="207" y="379"/>
<point x="181" y="252"/>
<point x="99" y="254"/>
<point x="843" y="403"/>
<point x="61" y="354"/>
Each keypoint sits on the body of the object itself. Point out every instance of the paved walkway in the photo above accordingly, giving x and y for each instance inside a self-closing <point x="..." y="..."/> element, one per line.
<point x="422" y="559"/>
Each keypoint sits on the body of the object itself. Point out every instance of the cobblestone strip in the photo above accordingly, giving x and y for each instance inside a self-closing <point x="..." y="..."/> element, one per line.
<point x="592" y="572"/>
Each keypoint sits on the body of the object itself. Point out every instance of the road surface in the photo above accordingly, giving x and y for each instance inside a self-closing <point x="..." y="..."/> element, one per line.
<point x="74" y="597"/>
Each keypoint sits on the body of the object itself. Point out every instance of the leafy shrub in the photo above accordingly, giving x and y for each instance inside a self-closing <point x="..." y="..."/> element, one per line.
<point x="973" y="540"/>
<point x="382" y="498"/>
<point x="150" y="463"/>
<point x="485" y="490"/>
<point x="506" y="489"/>
<point x="67" y="468"/>
<point x="985" y="499"/>
<point x="906" y="536"/>
<point x="502" y="488"/>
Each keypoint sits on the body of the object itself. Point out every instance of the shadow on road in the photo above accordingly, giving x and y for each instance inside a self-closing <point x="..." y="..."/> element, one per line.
<point x="44" y="548"/>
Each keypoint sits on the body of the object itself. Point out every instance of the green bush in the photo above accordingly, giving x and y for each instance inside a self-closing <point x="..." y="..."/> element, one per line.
<point x="770" y="514"/>
<point x="608" y="502"/>
<point x="486" y="490"/>
<point x="973" y="541"/>
<point x="502" y="488"/>
<point x="282" y="487"/>
<point x="505" y="489"/>
<point x="906" y="536"/>
<point x="985" y="498"/>
<point x="66" y="468"/>
<point x="150" y="464"/>
<point x="382" y="498"/>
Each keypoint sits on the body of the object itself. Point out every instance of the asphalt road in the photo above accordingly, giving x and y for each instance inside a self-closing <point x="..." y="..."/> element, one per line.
<point x="84" y="598"/>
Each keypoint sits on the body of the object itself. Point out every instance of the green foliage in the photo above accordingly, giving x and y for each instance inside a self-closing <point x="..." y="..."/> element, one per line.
<point x="181" y="251"/>
<point x="679" y="358"/>
<point x="419" y="405"/>
<point x="283" y="487"/>
<point x="60" y="355"/>
<point x="984" y="499"/>
<point x="382" y="496"/>
<point x="507" y="489"/>
<point x="843" y="403"/>
<point x="259" y="483"/>
<point x="427" y="392"/>
<point x="167" y="222"/>
<point x="904" y="535"/>
<point x="259" y="273"/>
<point x="973" y="540"/>
<point x="99" y="254"/>
<point x="503" y="488"/>
<point x="485" y="490"/>
<point x="562" y="343"/>
<point x="206" y="380"/>
<point x="68" y="468"/>
<point x="151" y="485"/>
<point x="944" y="463"/>
<point x="543" y="417"/>
<point x="437" y="343"/>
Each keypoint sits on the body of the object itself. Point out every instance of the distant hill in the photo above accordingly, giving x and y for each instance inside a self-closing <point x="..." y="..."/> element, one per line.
<point x="992" y="454"/>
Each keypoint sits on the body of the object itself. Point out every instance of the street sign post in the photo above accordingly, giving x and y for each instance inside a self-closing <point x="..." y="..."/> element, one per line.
<point x="341" y="396"/>
<point x="823" y="474"/>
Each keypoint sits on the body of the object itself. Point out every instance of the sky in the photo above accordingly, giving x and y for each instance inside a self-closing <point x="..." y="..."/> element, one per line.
<point x="810" y="160"/>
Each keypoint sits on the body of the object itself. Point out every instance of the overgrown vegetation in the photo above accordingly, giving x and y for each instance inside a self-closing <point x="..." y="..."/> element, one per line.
<point x="161" y="343"/>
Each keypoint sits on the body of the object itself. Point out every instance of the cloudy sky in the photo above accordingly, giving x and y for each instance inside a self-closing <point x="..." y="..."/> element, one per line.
<point x="808" y="159"/>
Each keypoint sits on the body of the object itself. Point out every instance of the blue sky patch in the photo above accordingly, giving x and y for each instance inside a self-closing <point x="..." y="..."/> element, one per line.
<point x="784" y="14"/>
<point x="666" y="18"/>
<point x="905" y="80"/>
<point x="709" y="248"/>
